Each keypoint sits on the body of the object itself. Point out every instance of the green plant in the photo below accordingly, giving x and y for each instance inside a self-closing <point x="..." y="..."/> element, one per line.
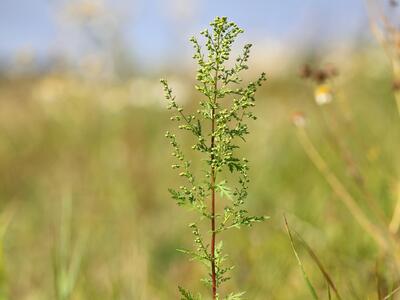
<point x="66" y="259"/>
<point x="218" y="124"/>
<point x="5" y="219"/>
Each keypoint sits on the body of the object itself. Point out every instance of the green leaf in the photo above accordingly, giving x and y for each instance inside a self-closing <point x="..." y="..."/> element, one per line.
<point x="224" y="190"/>
<point x="186" y="295"/>
<point x="236" y="296"/>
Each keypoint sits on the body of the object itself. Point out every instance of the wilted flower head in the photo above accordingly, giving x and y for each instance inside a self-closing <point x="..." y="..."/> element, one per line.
<point x="396" y="85"/>
<point x="319" y="76"/>
<point x="298" y="119"/>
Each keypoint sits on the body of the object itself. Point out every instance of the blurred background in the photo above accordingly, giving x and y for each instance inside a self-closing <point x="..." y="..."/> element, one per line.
<point x="84" y="164"/>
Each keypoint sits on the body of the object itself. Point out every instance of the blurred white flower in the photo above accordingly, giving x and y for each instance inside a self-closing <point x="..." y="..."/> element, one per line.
<point x="323" y="94"/>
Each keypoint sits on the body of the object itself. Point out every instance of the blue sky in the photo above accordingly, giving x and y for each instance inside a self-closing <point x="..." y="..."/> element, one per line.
<point x="157" y="29"/>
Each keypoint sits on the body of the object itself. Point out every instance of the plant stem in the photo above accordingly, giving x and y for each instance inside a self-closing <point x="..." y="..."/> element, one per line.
<point x="213" y="233"/>
<point x="213" y="275"/>
<point x="397" y="96"/>
<point x="340" y="190"/>
<point x="395" y="222"/>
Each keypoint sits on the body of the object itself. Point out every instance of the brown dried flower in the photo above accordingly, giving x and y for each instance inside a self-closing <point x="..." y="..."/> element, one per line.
<point x="319" y="76"/>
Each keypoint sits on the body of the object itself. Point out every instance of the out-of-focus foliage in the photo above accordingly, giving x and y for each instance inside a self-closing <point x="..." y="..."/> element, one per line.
<point x="102" y="144"/>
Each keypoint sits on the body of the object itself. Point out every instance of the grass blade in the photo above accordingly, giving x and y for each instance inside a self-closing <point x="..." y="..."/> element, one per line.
<point x="320" y="265"/>
<point x="329" y="292"/>
<point x="378" y="282"/>
<point x="305" y="276"/>
<point x="391" y="294"/>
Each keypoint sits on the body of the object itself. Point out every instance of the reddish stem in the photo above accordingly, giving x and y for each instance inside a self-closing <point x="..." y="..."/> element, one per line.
<point x="213" y="275"/>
